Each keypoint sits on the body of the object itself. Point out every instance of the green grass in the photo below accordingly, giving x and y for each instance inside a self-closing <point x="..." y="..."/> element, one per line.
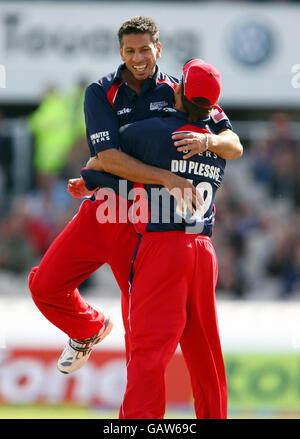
<point x="72" y="411"/>
<point x="48" y="412"/>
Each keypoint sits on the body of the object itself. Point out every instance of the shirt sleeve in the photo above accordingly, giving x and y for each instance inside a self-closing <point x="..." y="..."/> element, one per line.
<point x="95" y="179"/>
<point x="102" y="125"/>
<point x="219" y="120"/>
<point x="127" y="142"/>
<point x="134" y="142"/>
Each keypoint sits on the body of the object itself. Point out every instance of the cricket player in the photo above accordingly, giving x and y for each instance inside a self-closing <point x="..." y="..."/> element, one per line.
<point x="172" y="299"/>
<point x="136" y="91"/>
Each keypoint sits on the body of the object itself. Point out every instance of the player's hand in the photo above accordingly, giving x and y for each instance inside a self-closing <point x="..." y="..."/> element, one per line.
<point x="191" y="143"/>
<point x="185" y="194"/>
<point x="77" y="188"/>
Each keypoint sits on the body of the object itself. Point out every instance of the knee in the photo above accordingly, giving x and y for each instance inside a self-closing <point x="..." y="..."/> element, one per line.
<point x="37" y="287"/>
<point x="31" y="278"/>
<point x="149" y="364"/>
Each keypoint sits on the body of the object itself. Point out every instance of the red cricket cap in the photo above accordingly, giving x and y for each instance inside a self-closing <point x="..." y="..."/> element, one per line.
<point x="201" y="80"/>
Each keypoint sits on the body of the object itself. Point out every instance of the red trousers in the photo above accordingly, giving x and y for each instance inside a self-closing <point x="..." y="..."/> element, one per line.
<point x="82" y="247"/>
<point x="172" y="301"/>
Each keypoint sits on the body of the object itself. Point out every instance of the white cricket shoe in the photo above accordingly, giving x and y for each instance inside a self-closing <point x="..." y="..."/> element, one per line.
<point x="77" y="352"/>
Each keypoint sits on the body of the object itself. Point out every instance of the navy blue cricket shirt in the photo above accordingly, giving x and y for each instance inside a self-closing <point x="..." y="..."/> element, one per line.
<point x="111" y="104"/>
<point x="151" y="141"/>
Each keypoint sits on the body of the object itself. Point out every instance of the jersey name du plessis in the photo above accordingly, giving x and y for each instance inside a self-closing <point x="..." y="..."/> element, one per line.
<point x="154" y="210"/>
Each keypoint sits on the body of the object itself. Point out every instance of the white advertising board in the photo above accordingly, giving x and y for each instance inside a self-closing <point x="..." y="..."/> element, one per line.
<point x="245" y="326"/>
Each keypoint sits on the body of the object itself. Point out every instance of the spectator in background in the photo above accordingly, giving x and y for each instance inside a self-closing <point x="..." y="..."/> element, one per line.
<point x="49" y="207"/>
<point x="234" y="221"/>
<point x="58" y="128"/>
<point x="74" y="98"/>
<point x="51" y="129"/>
<point x="59" y="152"/>
<point x="283" y="174"/>
<point x="32" y="223"/>
<point x="275" y="163"/>
<point x="296" y="188"/>
<point x="76" y="160"/>
<point x="231" y="281"/>
<point x="274" y="160"/>
<point x="16" y="251"/>
<point x="260" y="161"/>
<point x="57" y="124"/>
<point x="284" y="261"/>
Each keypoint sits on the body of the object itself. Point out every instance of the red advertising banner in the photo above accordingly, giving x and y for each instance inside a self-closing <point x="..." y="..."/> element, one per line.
<point x="30" y="376"/>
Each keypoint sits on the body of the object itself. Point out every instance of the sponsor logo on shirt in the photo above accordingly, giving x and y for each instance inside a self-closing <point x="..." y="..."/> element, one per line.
<point x="169" y="110"/>
<point x="99" y="137"/>
<point x="158" y="105"/>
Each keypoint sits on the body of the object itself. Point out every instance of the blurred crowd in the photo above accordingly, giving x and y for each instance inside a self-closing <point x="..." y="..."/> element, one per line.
<point x="258" y="240"/>
<point x="254" y="241"/>
<point x="30" y="220"/>
<point x="275" y="163"/>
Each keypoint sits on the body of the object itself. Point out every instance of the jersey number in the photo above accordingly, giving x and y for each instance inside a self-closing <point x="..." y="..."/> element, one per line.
<point x="206" y="191"/>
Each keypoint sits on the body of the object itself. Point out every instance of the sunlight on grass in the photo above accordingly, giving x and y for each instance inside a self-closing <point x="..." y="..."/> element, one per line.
<point x="69" y="411"/>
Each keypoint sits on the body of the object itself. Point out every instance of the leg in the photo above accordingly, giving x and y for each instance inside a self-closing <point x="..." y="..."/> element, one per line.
<point x="121" y="263"/>
<point x="203" y="353"/>
<point x="73" y="256"/>
<point x="157" y="320"/>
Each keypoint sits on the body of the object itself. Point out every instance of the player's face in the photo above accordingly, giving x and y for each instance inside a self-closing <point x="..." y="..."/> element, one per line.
<point x="140" y="54"/>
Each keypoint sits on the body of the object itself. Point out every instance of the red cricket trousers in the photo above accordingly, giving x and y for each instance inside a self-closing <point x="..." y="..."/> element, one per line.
<point x="172" y="301"/>
<point x="83" y="246"/>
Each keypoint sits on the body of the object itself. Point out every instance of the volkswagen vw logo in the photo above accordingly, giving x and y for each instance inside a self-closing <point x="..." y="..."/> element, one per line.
<point x="252" y="44"/>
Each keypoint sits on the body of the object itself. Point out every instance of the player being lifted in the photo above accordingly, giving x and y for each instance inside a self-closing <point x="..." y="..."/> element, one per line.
<point x="125" y="96"/>
<point x="175" y="269"/>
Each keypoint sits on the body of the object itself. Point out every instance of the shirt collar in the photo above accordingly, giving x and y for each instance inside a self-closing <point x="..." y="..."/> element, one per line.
<point x="118" y="73"/>
<point x="156" y="75"/>
<point x="181" y="115"/>
<point x="184" y="116"/>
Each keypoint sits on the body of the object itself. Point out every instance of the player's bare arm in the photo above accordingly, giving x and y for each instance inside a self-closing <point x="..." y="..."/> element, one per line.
<point x="125" y="166"/>
<point x="226" y="144"/>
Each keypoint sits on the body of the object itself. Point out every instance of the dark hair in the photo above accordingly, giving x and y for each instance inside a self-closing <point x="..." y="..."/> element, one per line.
<point x="194" y="112"/>
<point x="139" y="25"/>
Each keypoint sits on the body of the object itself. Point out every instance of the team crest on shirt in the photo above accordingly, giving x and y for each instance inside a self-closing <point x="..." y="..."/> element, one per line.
<point x="218" y="114"/>
<point x="158" y="105"/>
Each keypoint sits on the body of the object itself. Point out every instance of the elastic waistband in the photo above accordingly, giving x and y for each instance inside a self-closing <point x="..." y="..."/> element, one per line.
<point x="174" y="233"/>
